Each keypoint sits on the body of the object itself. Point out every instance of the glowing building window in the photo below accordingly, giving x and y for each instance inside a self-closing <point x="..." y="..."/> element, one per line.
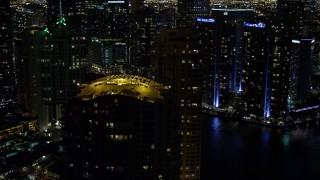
<point x="118" y="137"/>
<point x="146" y="167"/>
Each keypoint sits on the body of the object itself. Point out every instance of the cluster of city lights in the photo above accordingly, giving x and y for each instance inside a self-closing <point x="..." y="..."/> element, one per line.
<point x="256" y="25"/>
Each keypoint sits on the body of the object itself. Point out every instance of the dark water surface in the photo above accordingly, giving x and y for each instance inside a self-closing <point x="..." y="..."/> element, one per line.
<point x="238" y="150"/>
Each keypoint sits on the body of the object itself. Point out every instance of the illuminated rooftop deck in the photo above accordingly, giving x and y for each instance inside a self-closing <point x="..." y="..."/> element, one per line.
<point x="127" y="85"/>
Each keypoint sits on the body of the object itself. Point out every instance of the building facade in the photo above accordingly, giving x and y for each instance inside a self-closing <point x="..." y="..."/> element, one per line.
<point x="179" y="63"/>
<point x="55" y="61"/>
<point x="7" y="63"/>
<point x="254" y="60"/>
<point x="122" y="127"/>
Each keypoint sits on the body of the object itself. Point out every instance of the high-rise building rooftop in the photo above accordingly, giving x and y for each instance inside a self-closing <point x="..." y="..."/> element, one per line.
<point x="128" y="85"/>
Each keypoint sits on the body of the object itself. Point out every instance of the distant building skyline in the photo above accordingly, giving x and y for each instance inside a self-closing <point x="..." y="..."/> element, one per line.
<point x="252" y="61"/>
<point x="231" y="45"/>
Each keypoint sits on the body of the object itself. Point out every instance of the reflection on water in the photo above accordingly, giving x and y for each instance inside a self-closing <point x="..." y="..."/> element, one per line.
<point x="286" y="140"/>
<point x="237" y="150"/>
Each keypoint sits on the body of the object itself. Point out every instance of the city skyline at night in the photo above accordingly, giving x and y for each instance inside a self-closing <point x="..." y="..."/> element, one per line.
<point x="148" y="73"/>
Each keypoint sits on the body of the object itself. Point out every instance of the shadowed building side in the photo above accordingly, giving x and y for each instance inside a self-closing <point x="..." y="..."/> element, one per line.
<point x="7" y="75"/>
<point x="179" y="62"/>
<point x="121" y="127"/>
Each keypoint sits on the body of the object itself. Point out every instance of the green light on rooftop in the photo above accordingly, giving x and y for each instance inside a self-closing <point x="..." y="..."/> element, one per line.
<point x="62" y="21"/>
<point x="46" y="30"/>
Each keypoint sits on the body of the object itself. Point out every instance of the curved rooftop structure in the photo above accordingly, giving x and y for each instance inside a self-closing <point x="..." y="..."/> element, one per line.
<point x="123" y="84"/>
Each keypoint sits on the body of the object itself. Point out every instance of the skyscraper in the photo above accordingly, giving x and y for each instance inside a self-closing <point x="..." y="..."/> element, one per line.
<point x="301" y="70"/>
<point x="255" y="61"/>
<point x="7" y="73"/>
<point x="179" y="63"/>
<point x="285" y="27"/>
<point x="105" y="52"/>
<point x="75" y="14"/>
<point x="145" y="24"/>
<point x="55" y="61"/>
<point x="255" y="67"/>
<point x="206" y="29"/>
<point x="116" y="25"/>
<point x="227" y="26"/>
<point x="122" y="127"/>
<point x="290" y="13"/>
<point x="107" y="25"/>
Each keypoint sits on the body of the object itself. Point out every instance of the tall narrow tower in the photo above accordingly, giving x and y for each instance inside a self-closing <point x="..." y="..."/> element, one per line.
<point x="6" y="55"/>
<point x="179" y="61"/>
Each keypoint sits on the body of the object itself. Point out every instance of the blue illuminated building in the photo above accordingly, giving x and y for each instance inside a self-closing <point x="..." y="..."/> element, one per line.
<point x="255" y="76"/>
<point x="205" y="20"/>
<point x="249" y="60"/>
<point x="206" y="29"/>
<point x="226" y="41"/>
<point x="257" y="25"/>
